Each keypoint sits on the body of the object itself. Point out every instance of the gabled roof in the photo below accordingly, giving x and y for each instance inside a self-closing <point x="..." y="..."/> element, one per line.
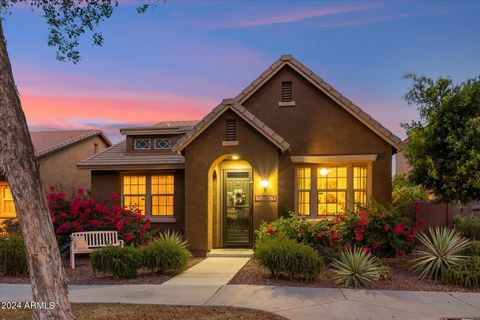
<point x="47" y="142"/>
<point x="117" y="157"/>
<point x="353" y="109"/>
<point x="164" y="127"/>
<point x="230" y="104"/>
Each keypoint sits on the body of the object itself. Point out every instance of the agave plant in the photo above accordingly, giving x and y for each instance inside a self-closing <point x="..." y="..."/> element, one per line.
<point x="355" y="267"/>
<point x="170" y="236"/>
<point x="444" y="248"/>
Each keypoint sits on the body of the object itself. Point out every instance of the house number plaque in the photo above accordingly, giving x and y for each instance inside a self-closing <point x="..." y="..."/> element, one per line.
<point x="266" y="197"/>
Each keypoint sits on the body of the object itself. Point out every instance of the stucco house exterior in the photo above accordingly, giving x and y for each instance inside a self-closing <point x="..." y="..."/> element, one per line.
<point x="287" y="141"/>
<point x="58" y="153"/>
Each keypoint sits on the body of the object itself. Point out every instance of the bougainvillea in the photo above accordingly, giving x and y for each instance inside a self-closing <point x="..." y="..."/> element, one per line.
<point x="383" y="232"/>
<point x="83" y="213"/>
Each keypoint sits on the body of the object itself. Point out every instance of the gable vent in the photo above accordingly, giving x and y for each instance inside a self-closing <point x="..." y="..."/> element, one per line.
<point x="287" y="91"/>
<point x="231" y="130"/>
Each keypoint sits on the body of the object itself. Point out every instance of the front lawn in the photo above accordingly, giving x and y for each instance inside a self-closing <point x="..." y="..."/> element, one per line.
<point x="150" y="312"/>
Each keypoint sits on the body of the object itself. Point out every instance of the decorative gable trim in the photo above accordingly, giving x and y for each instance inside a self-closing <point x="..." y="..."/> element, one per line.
<point x="231" y="104"/>
<point x="326" y="88"/>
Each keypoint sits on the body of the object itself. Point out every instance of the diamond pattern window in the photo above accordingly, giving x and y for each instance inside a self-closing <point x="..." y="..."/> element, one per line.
<point x="142" y="144"/>
<point x="163" y="143"/>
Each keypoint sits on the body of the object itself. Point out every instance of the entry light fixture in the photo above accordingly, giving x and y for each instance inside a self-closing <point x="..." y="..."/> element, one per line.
<point x="264" y="183"/>
<point x="323" y="171"/>
<point x="235" y="157"/>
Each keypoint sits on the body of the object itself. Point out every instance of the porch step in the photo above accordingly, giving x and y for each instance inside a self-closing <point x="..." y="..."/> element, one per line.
<point x="230" y="253"/>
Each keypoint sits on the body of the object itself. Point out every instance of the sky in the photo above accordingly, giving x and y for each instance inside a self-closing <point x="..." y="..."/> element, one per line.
<point x="179" y="61"/>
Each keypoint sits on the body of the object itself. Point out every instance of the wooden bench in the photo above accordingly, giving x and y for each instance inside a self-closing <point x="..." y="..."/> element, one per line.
<point x="94" y="240"/>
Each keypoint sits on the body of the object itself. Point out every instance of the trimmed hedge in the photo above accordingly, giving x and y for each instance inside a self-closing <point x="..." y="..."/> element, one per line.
<point x="469" y="227"/>
<point x="474" y="249"/>
<point x="465" y="274"/>
<point x="168" y="254"/>
<point x="121" y="262"/>
<point x="13" y="260"/>
<point x="283" y="256"/>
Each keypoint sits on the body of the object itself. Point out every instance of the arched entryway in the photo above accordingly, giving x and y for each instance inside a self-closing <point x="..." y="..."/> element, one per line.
<point x="230" y="193"/>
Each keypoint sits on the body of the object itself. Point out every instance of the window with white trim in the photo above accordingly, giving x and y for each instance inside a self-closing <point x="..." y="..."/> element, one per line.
<point x="141" y="144"/>
<point x="163" y="143"/>
<point x="134" y="192"/>
<point x="162" y="195"/>
<point x="327" y="190"/>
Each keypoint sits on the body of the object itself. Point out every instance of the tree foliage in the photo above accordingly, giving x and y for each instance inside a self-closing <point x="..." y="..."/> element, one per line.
<point x="406" y="191"/>
<point x="444" y="146"/>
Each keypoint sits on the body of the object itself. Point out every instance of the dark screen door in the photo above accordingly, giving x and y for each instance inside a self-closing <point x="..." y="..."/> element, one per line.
<point x="237" y="209"/>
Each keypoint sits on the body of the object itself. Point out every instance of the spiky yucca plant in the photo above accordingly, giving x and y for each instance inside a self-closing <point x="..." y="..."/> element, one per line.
<point x="172" y="236"/>
<point x="355" y="267"/>
<point x="444" y="248"/>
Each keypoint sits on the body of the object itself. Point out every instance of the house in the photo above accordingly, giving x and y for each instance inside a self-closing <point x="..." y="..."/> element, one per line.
<point x="58" y="153"/>
<point x="287" y="141"/>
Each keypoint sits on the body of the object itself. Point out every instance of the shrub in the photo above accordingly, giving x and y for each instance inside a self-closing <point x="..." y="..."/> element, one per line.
<point x="13" y="260"/>
<point x="283" y="256"/>
<point x="405" y="191"/>
<point x="10" y="227"/>
<point x="85" y="214"/>
<point x="465" y="273"/>
<point x="474" y="249"/>
<point x="167" y="254"/>
<point x="357" y="267"/>
<point x="121" y="262"/>
<point x="469" y="227"/>
<point x="443" y="249"/>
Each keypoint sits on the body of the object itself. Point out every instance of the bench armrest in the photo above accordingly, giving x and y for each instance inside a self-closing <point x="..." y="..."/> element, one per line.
<point x="72" y="245"/>
<point x="120" y="242"/>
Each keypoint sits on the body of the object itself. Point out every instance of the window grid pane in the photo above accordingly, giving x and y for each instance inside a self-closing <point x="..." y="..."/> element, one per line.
<point x="163" y="143"/>
<point x="141" y="144"/>
<point x="303" y="191"/>
<point x="134" y="192"/>
<point x="360" y="185"/>
<point x="162" y="195"/>
<point x="332" y="190"/>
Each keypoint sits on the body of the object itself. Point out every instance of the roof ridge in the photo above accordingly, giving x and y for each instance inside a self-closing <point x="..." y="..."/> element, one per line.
<point x="73" y="130"/>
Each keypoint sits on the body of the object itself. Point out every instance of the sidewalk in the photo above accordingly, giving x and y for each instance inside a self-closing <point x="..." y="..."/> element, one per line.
<point x="300" y="303"/>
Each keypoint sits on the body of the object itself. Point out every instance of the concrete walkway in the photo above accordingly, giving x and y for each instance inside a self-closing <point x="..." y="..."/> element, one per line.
<point x="300" y="303"/>
<point x="209" y="272"/>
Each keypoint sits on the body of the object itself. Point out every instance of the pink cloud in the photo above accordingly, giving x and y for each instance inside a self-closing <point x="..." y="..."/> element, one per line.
<point x="359" y="22"/>
<point x="296" y="15"/>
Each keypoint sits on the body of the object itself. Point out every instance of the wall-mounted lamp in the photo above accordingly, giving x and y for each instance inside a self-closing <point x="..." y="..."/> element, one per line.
<point x="323" y="171"/>
<point x="235" y="157"/>
<point x="264" y="183"/>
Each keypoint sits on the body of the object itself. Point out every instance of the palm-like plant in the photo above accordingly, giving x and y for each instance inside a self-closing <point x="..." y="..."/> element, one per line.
<point x="174" y="237"/>
<point x="443" y="249"/>
<point x="356" y="267"/>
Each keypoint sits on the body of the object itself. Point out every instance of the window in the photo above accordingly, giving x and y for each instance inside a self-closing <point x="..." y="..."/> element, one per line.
<point x="7" y="206"/>
<point x="231" y="130"/>
<point x="163" y="143"/>
<point x="332" y="190"/>
<point x="360" y="186"/>
<point x="287" y="91"/>
<point x="152" y="194"/>
<point x="326" y="190"/>
<point x="141" y="144"/>
<point x="134" y="192"/>
<point x="303" y="191"/>
<point x="162" y="195"/>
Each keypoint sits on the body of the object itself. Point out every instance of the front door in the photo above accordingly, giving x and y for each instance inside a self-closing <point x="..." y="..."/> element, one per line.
<point x="237" y="208"/>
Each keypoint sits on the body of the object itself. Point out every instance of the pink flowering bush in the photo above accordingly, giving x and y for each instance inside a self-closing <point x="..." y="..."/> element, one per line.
<point x="83" y="213"/>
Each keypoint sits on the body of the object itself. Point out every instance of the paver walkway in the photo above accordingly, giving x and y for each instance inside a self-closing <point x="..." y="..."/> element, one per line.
<point x="211" y="272"/>
<point x="300" y="303"/>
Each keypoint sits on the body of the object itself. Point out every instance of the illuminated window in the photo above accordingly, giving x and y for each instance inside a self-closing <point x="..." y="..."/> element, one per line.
<point x="304" y="182"/>
<point x="332" y="190"/>
<point x="360" y="186"/>
<point x="162" y="195"/>
<point x="7" y="206"/>
<point x="141" y="144"/>
<point x="134" y="192"/>
<point x="163" y="143"/>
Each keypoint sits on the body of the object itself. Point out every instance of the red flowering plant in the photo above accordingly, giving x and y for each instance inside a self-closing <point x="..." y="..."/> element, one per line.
<point x="82" y="213"/>
<point x="382" y="231"/>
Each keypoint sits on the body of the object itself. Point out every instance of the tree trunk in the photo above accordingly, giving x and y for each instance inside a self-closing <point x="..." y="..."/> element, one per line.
<point x="17" y="156"/>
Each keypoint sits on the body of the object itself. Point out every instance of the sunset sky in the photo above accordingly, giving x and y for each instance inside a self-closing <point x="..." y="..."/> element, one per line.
<point x="178" y="61"/>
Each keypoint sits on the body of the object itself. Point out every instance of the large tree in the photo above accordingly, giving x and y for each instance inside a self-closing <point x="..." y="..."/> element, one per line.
<point x="443" y="148"/>
<point x="67" y="20"/>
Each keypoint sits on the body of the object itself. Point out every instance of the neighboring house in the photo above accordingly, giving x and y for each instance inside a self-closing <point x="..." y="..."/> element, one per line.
<point x="469" y="209"/>
<point x="58" y="153"/>
<point x="288" y="141"/>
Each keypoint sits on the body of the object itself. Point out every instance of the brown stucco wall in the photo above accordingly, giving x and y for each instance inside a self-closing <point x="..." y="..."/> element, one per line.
<point x="104" y="183"/>
<point x="200" y="154"/>
<point x="59" y="169"/>
<point x="316" y="125"/>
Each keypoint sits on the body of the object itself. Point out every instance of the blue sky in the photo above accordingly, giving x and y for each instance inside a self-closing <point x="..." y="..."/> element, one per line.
<point x="178" y="61"/>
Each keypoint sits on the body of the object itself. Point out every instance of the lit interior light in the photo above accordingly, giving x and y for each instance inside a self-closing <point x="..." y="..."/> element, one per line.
<point x="323" y="171"/>
<point x="235" y="157"/>
<point x="264" y="183"/>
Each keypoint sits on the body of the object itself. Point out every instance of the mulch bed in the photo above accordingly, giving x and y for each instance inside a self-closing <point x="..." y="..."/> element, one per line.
<point x="402" y="278"/>
<point x="150" y="312"/>
<point x="84" y="274"/>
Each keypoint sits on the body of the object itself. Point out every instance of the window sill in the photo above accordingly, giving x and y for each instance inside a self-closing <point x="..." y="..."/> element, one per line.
<point x="229" y="143"/>
<point x="156" y="219"/>
<point x="286" y="104"/>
